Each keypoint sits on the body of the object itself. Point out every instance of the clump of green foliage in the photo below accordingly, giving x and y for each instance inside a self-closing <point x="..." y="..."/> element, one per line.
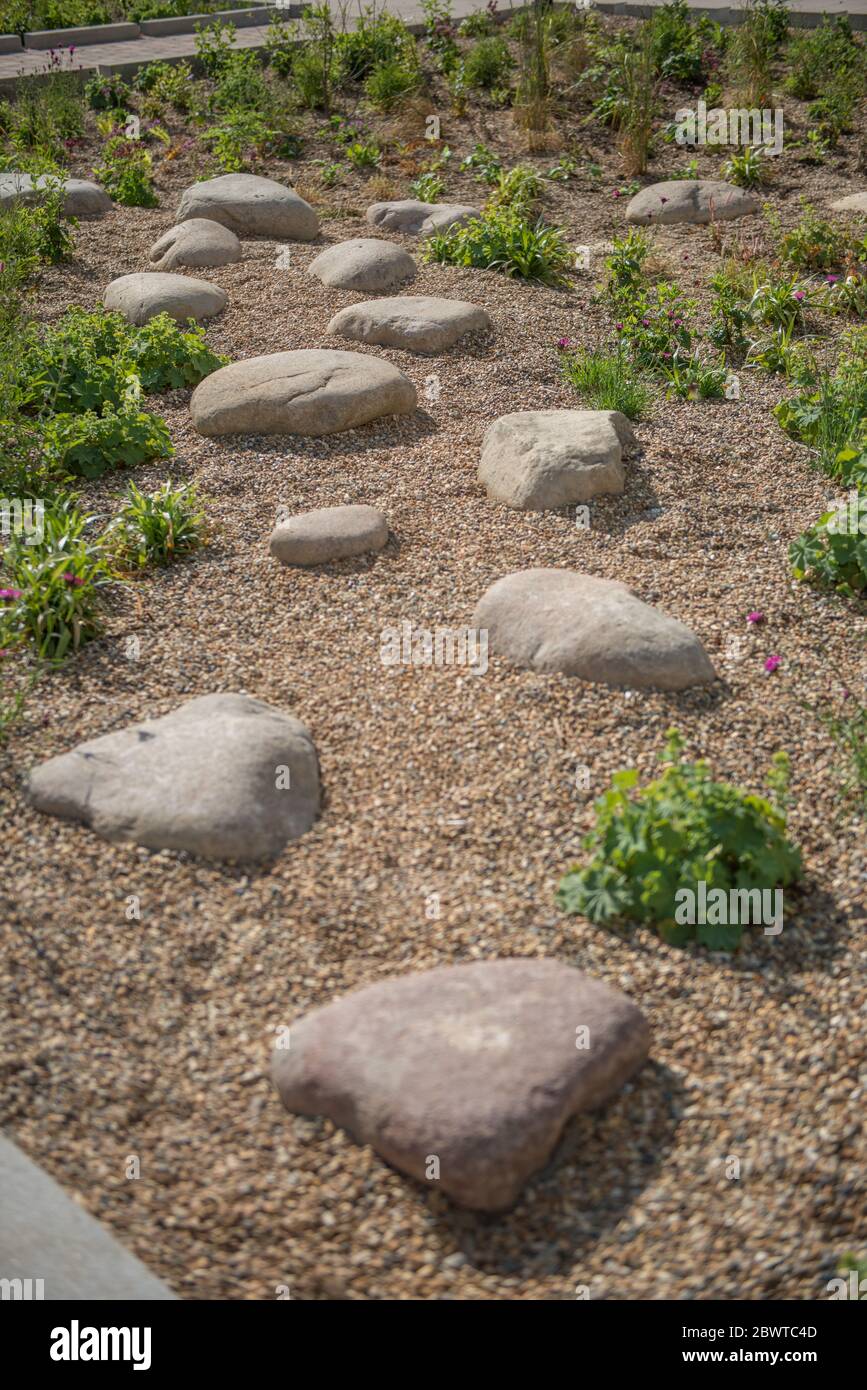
<point x="681" y="829"/>
<point x="502" y="239"/>
<point x="159" y="527"/>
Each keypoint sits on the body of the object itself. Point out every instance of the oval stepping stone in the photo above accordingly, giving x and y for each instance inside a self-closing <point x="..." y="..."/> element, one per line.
<point x="223" y="776"/>
<point x="81" y="198"/>
<point x="141" y="296"/>
<point x="690" y="200"/>
<point x="329" y="533"/>
<point x="198" y="242"/>
<point x="418" y="219"/>
<point x="250" y="206"/>
<point x="416" y="322"/>
<point x="538" y="459"/>
<point x="310" y="392"/>
<point x="855" y="202"/>
<point x="558" y="620"/>
<point x="364" y="264"/>
<point x="464" y="1076"/>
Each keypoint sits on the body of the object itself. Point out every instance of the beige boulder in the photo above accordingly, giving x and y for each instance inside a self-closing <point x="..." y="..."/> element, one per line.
<point x="198" y="242"/>
<point x="142" y="296"/>
<point x="328" y="533"/>
<point x="534" y="460"/>
<point x="418" y="323"/>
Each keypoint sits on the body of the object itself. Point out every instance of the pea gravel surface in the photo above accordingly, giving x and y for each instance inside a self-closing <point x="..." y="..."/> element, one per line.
<point x="142" y="992"/>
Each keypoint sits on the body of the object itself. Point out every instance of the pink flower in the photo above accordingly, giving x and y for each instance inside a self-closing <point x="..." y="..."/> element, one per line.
<point x="772" y="663"/>
<point x="10" y="593"/>
<point x="564" y="342"/>
<point x="666" y="354"/>
<point x="831" y="279"/>
<point x="799" y="295"/>
<point x="616" y="192"/>
<point x="619" y="327"/>
<point x="755" y="617"/>
<point x="75" y="580"/>
<point x="663" y="200"/>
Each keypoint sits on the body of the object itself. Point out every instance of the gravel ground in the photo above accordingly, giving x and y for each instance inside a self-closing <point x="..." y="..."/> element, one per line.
<point x="151" y="1037"/>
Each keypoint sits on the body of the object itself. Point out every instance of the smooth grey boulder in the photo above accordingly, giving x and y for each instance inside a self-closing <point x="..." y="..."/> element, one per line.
<point x="690" y="200"/>
<point x="142" y="296"/>
<point x="311" y="392"/>
<point x="464" y="1076"/>
<point x="328" y="533"/>
<point x="418" y="323"/>
<point x="81" y="198"/>
<point x="534" y="460"/>
<point x="365" y="264"/>
<point x="558" y="620"/>
<point x="46" y="1238"/>
<point x="198" y="242"/>
<point x="222" y="776"/>
<point x="415" y="218"/>
<point x="854" y="202"/>
<point x="250" y="206"/>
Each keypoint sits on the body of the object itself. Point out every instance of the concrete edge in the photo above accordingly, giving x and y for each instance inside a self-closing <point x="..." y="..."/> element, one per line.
<point x="82" y="38"/>
<point x="10" y="43"/>
<point x="241" y="19"/>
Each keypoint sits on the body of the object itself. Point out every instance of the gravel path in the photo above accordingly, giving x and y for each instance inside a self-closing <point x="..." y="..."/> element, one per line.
<point x="151" y="1036"/>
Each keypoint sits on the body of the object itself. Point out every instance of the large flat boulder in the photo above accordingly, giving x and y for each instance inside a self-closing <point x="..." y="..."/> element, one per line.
<point x="366" y="264"/>
<point x="418" y="323"/>
<point x="199" y="242"/>
<point x="250" y="206"/>
<point x="558" y="620"/>
<point x="222" y="776"/>
<point x="81" y="198"/>
<point x="328" y="533"/>
<point x="464" y="1076"/>
<point x="690" y="200"/>
<point x="538" y="459"/>
<point x="310" y="392"/>
<point x="142" y="296"/>
<point x="415" y="218"/>
<point x="853" y="202"/>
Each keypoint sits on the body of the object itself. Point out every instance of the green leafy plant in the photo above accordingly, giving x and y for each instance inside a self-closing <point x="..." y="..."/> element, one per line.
<point x="126" y="173"/>
<point x="746" y="170"/>
<point x="487" y="63"/>
<point x="849" y="731"/>
<point x="159" y="527"/>
<point x="89" y="444"/>
<point x="505" y="241"/>
<point x="814" y="244"/>
<point x="832" y="554"/>
<point x="389" y="82"/>
<point x="363" y="154"/>
<point x="751" y="52"/>
<point x="106" y="92"/>
<point x="680" y="830"/>
<point x="606" y="381"/>
<point x="428" y="187"/>
<point x="377" y="38"/>
<point x="820" y="59"/>
<point x="50" y="599"/>
<point x="693" y="379"/>
<point x="166" y="356"/>
<point x="485" y="164"/>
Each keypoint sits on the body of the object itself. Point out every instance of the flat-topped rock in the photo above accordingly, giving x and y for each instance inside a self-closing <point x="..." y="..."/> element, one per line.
<point x="311" y="392"/>
<point x="464" y="1076"/>
<point x="415" y="218"/>
<point x="250" y="206"/>
<point x="690" y="200"/>
<point x="81" y="198"/>
<point x="559" y="620"/>
<point x="222" y="776"/>
<point x="328" y="533"/>
<point x="198" y="242"/>
<point x="538" y="459"/>
<point x="142" y="296"/>
<point x="418" y="323"/>
<point x="853" y="202"/>
<point x="365" y="264"/>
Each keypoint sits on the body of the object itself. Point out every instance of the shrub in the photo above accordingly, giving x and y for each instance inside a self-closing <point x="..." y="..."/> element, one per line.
<point x="681" y="830"/>
<point x="362" y="154"/>
<point x="485" y="163"/>
<point x="170" y="83"/>
<point x="819" y="59"/>
<point x="832" y="554"/>
<point x="157" y="528"/>
<point x="487" y="63"/>
<point x="502" y="240"/>
<point x="88" y="444"/>
<point x="126" y="173"/>
<point x="829" y="416"/>
<point x="240" y="85"/>
<point x="625" y="266"/>
<point x="428" y="187"/>
<point x="106" y="92"/>
<point x="389" y="82"/>
<point x="692" y="379"/>
<point x="678" y="46"/>
<point x="747" y="170"/>
<point x="215" y="47"/>
<point x="752" y="49"/>
<point x="376" y="39"/>
<point x="606" y="381"/>
<point x="309" y="80"/>
<point x="815" y="243"/>
<point x="518" y="189"/>
<point x="50" y="599"/>
<point x="655" y="328"/>
<point x="166" y="356"/>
